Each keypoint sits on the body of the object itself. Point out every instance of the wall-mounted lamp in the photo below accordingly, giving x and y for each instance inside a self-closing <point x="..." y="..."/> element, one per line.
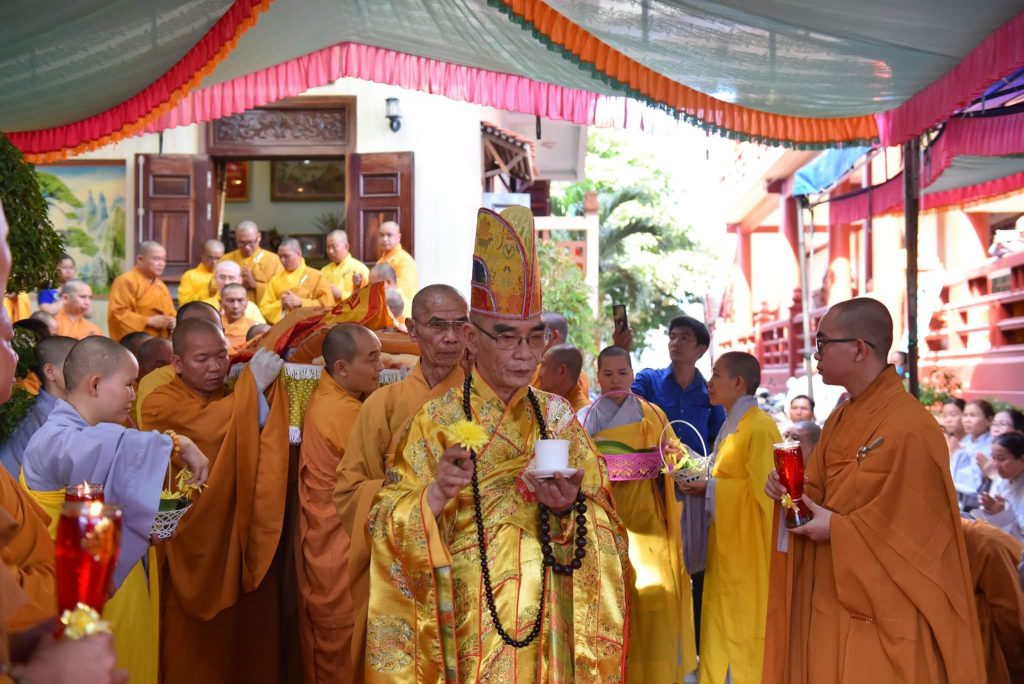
<point x="394" y="113"/>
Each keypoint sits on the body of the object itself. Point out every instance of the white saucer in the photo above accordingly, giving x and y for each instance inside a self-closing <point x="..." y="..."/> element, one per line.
<point x="548" y="474"/>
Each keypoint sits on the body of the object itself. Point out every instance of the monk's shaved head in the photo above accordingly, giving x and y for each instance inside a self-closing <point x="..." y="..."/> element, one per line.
<point x="555" y="323"/>
<point x="382" y="272"/>
<point x="246" y="227"/>
<point x="342" y="342"/>
<point x="193" y="328"/>
<point x="614" y="352"/>
<point x="229" y="267"/>
<point x="569" y="356"/>
<point x="395" y="302"/>
<point x="53" y="350"/>
<point x="256" y="330"/>
<point x="867" y="319"/>
<point x="134" y="340"/>
<point x="149" y="247"/>
<point x="153" y="354"/>
<point x="94" y="355"/>
<point x="435" y="296"/>
<point x="338" y="235"/>
<point x="198" y="309"/>
<point x="742" y="365"/>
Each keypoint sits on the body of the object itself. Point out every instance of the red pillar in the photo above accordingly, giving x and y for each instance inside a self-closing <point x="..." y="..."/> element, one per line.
<point x="743" y="301"/>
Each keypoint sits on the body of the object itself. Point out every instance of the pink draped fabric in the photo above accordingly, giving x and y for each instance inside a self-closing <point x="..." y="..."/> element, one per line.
<point x="1001" y="53"/>
<point x="467" y="84"/>
<point x="994" y="136"/>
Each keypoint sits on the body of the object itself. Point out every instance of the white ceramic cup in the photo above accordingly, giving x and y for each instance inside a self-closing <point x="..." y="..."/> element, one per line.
<point x="551" y="454"/>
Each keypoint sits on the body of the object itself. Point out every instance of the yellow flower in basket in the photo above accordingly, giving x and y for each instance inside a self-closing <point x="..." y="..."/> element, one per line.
<point x="468" y="434"/>
<point x="171" y="500"/>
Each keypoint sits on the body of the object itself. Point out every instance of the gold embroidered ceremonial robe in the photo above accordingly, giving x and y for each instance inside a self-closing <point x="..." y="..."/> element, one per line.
<point x="428" y="617"/>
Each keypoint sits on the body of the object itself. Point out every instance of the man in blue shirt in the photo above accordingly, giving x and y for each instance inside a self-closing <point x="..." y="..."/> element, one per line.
<point x="682" y="393"/>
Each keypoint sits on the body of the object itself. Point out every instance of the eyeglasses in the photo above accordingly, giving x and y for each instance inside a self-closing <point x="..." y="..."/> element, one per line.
<point x="439" y="326"/>
<point x="508" y="341"/>
<point x="820" y="342"/>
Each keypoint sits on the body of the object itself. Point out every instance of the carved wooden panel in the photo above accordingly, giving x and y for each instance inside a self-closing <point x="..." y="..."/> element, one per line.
<point x="299" y="127"/>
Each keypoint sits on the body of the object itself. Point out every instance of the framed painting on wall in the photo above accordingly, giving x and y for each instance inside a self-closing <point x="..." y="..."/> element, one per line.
<point x="302" y="180"/>
<point x="86" y="205"/>
<point x="236" y="175"/>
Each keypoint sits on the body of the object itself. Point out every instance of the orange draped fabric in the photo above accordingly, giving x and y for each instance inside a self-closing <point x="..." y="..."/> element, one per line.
<point x="369" y="453"/>
<point x="890" y="597"/>
<point x="133" y="115"/>
<point x="219" y="584"/>
<point x="28" y="555"/>
<point x="325" y="616"/>
<point x="994" y="556"/>
<point x="133" y="299"/>
<point x="608" y="62"/>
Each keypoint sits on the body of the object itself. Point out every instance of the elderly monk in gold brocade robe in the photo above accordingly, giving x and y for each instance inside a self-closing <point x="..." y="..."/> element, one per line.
<point x="548" y="600"/>
<point x="877" y="587"/>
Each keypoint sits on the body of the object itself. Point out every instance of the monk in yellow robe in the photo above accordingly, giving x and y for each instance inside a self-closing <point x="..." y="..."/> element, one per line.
<point x="197" y="283"/>
<point x="877" y="587"/>
<point x="219" y="583"/>
<point x="439" y="313"/>
<point x="662" y="644"/>
<point x="258" y="265"/>
<point x="353" y="366"/>
<point x="76" y="307"/>
<point x="345" y="273"/>
<point x="228" y="273"/>
<point x="296" y="286"/>
<point x="139" y="300"/>
<point x="236" y="324"/>
<point x="18" y="306"/>
<point x="736" y="575"/>
<point x="994" y="555"/>
<point x="560" y="372"/>
<point x="389" y="246"/>
<point x="456" y="534"/>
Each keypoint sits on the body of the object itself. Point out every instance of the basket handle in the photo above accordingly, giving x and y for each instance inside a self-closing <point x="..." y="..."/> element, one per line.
<point x="661" y="439"/>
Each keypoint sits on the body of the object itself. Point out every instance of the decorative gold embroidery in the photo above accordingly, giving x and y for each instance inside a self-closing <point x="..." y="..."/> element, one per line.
<point x="389" y="643"/>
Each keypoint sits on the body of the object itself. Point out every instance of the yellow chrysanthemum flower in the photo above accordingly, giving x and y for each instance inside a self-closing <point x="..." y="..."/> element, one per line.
<point x="468" y="434"/>
<point x="83" y="621"/>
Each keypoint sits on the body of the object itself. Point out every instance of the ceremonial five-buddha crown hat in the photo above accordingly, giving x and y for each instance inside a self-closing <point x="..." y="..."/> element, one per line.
<point x="506" y="274"/>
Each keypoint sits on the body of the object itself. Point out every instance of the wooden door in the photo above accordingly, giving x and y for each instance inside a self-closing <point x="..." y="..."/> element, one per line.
<point x="174" y="196"/>
<point x="380" y="190"/>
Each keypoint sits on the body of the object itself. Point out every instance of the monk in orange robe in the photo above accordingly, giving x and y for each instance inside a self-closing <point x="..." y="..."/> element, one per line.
<point x="994" y="556"/>
<point x="438" y="314"/>
<point x="559" y="373"/>
<point x="18" y="306"/>
<point x="233" y="301"/>
<point x="219" y="584"/>
<point x="558" y="333"/>
<point x="877" y="587"/>
<point x="139" y="300"/>
<point x="391" y="252"/>
<point x="76" y="307"/>
<point x="352" y="355"/>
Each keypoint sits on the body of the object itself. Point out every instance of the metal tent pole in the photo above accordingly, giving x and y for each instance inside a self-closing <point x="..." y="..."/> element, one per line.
<point x="911" y="207"/>
<point x="805" y="304"/>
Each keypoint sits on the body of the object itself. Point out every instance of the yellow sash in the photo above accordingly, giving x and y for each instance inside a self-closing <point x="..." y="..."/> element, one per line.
<point x="133" y="611"/>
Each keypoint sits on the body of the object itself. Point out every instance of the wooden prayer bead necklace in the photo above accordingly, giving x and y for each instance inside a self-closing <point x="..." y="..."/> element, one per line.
<point x="545" y="533"/>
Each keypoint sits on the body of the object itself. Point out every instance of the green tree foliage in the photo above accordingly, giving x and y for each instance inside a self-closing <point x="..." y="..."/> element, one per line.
<point x="36" y="247"/>
<point x="566" y="292"/>
<point x="649" y="260"/>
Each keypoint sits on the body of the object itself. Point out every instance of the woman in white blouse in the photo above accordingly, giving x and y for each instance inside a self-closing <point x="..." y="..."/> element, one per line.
<point x="1004" y="506"/>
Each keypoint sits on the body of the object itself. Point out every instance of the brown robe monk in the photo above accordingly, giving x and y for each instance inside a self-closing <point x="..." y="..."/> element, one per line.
<point x="325" y="616"/>
<point x="889" y="598"/>
<point x="994" y="556"/>
<point x="370" y="452"/>
<point x="219" y="583"/>
<point x="28" y="554"/>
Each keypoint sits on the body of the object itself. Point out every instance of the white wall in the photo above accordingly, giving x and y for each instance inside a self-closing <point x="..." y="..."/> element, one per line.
<point x="444" y="136"/>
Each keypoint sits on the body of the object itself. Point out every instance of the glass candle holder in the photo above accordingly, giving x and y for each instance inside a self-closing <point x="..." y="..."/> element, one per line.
<point x="789" y="464"/>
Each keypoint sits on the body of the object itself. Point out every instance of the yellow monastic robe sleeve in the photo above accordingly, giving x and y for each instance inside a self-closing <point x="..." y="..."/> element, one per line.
<point x="270" y="303"/>
<point x="319" y="293"/>
<point x="194" y="285"/>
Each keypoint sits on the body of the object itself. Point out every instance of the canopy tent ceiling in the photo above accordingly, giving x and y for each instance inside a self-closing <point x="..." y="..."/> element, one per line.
<point x="793" y="71"/>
